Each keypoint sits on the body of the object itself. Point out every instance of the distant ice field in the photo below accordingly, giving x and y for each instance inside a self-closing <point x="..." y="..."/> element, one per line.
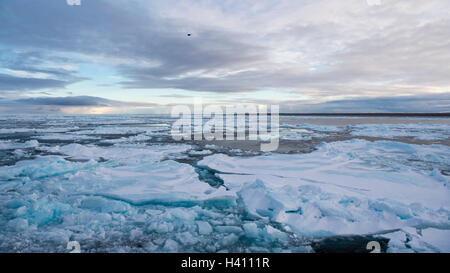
<point x="120" y="183"/>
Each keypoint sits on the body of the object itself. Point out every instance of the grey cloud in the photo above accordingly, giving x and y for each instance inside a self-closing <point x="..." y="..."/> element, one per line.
<point x="31" y="62"/>
<point x="407" y="54"/>
<point x="12" y="83"/>
<point x="72" y="101"/>
<point x="110" y="30"/>
<point x="405" y="51"/>
<point x="355" y="52"/>
<point x="437" y="103"/>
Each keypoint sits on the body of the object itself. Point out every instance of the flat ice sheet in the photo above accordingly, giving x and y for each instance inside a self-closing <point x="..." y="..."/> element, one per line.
<point x="350" y="187"/>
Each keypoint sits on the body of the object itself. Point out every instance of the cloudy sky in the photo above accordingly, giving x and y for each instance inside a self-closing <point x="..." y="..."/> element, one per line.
<point x="134" y="56"/>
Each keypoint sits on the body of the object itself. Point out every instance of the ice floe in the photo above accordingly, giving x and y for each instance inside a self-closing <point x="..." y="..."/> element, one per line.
<point x="9" y="145"/>
<point x="350" y="187"/>
<point x="413" y="130"/>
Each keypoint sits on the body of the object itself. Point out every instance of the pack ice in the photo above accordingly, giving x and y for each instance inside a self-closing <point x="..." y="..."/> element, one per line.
<point x="122" y="187"/>
<point x="349" y="187"/>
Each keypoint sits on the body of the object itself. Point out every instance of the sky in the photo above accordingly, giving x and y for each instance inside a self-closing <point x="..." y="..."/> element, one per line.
<point x="135" y="56"/>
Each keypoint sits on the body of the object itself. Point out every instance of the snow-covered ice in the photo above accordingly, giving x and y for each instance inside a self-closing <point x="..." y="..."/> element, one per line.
<point x="8" y="145"/>
<point x="119" y="184"/>
<point x="350" y="187"/>
<point x="413" y="130"/>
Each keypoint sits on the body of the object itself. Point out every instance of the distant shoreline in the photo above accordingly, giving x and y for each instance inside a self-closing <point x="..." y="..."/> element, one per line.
<point x="443" y="115"/>
<point x="370" y="114"/>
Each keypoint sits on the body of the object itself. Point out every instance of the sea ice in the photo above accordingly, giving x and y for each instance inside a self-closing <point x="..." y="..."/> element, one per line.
<point x="122" y="192"/>
<point x="418" y="131"/>
<point x="349" y="187"/>
<point x="9" y="145"/>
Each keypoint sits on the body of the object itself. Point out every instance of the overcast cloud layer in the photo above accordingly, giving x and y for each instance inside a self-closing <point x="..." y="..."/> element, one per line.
<point x="308" y="56"/>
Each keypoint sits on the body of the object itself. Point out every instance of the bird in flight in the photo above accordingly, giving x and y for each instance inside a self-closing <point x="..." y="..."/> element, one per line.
<point x="189" y="34"/>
